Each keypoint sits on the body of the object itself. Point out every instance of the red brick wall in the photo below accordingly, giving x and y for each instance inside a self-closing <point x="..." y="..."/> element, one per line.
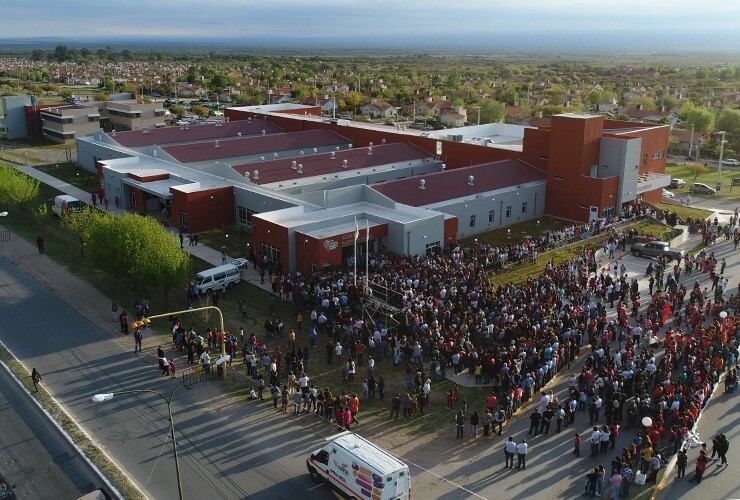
<point x="277" y="236"/>
<point x="207" y="209"/>
<point x="148" y="178"/>
<point x="536" y="147"/>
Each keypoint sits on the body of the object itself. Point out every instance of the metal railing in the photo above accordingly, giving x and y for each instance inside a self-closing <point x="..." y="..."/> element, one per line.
<point x="4" y="236"/>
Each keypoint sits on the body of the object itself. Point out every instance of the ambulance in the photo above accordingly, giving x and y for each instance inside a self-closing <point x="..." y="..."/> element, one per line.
<point x="355" y="468"/>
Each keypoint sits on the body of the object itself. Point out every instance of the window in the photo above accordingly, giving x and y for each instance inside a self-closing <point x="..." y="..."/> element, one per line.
<point x="524" y="207"/>
<point x="183" y="218"/>
<point x="472" y="221"/>
<point x="272" y="253"/>
<point x="491" y="215"/>
<point x="508" y="212"/>
<point x="658" y="154"/>
<point x="433" y="248"/>
<point x="241" y="214"/>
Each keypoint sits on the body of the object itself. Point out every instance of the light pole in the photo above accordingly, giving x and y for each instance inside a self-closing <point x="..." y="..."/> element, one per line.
<point x="719" y="165"/>
<point x="100" y="398"/>
<point x="147" y="319"/>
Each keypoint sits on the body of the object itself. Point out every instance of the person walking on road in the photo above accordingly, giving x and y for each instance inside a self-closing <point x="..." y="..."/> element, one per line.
<point x="521" y="455"/>
<point x="509" y="452"/>
<point x="36" y="379"/>
<point x="137" y="340"/>
<point x="534" y="419"/>
<point x="722" y="446"/>
<point x="40" y="245"/>
<point x="701" y="466"/>
<point x="114" y="308"/>
<point x="681" y="460"/>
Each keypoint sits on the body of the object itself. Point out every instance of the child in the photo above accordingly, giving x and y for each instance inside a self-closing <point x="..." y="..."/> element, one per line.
<point x="172" y="368"/>
<point x="577" y="445"/>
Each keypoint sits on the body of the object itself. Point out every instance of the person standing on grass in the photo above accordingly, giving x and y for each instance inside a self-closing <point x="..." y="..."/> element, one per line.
<point x="36" y="379"/>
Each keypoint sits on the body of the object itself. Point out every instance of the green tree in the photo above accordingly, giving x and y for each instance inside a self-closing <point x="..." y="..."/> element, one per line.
<point x="490" y="111"/>
<point x="697" y="169"/>
<point x="17" y="190"/>
<point x="166" y="265"/>
<point x="701" y="118"/>
<point x="102" y="96"/>
<point x="80" y="222"/>
<point x="199" y="110"/>
<point x="729" y="121"/>
<point x="646" y="102"/>
<point x="353" y="100"/>
<point x="178" y="110"/>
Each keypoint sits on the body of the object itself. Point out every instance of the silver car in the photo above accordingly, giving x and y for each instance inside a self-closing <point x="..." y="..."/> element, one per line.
<point x="655" y="249"/>
<point x="702" y="188"/>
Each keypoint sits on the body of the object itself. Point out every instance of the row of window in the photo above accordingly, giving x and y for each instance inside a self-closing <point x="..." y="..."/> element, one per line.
<point x="658" y="154"/>
<point x="492" y="214"/>
<point x="59" y="135"/>
<point x="244" y="215"/>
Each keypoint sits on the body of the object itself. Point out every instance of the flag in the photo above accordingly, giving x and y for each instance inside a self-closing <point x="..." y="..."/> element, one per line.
<point x="357" y="231"/>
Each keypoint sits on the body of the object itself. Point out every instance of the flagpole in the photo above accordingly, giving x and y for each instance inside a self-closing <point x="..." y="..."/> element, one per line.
<point x="367" y="253"/>
<point x="357" y="233"/>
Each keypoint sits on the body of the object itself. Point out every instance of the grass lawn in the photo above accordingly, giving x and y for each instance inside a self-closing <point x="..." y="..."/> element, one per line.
<point x="517" y="232"/>
<point x="73" y="174"/>
<point x="234" y="241"/>
<point x="519" y="274"/>
<point x="709" y="178"/>
<point x="36" y="151"/>
<point x="683" y="211"/>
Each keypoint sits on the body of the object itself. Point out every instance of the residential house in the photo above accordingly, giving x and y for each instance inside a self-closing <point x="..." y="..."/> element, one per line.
<point x="683" y="142"/>
<point x="456" y="117"/>
<point x="608" y="106"/>
<point x="379" y="109"/>
<point x="188" y="90"/>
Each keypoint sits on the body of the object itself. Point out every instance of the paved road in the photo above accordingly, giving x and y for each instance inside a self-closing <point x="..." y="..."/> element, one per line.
<point x="228" y="449"/>
<point x="35" y="458"/>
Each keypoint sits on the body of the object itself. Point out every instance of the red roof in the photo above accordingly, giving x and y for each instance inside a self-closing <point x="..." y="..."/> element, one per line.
<point x="643" y="113"/>
<point x="453" y="184"/>
<point x="170" y="135"/>
<point x="321" y="164"/>
<point x="685" y="136"/>
<point x="247" y="146"/>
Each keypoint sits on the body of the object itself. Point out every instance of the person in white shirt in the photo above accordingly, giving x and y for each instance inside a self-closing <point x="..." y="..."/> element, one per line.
<point x="595" y="441"/>
<point x="521" y="455"/>
<point x="205" y="360"/>
<point x="510" y="451"/>
<point x="303" y="382"/>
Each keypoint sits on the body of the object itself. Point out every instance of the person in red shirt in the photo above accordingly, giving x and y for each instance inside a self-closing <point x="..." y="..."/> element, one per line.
<point x="490" y="402"/>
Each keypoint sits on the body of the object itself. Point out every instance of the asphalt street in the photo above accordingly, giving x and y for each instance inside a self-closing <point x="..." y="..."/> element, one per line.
<point x="238" y="451"/>
<point x="35" y="458"/>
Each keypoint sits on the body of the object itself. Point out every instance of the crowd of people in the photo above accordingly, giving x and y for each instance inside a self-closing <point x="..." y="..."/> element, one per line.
<point x="513" y="338"/>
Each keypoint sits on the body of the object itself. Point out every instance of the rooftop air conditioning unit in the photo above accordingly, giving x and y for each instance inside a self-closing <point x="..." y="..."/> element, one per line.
<point x="336" y="149"/>
<point x="275" y="156"/>
<point x="293" y="164"/>
<point x="262" y="158"/>
<point x="422" y="184"/>
<point x="332" y="155"/>
<point x="345" y="163"/>
<point x="471" y="180"/>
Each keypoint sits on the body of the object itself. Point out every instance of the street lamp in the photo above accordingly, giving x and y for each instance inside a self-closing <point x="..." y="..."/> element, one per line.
<point x="721" y="152"/>
<point x="108" y="396"/>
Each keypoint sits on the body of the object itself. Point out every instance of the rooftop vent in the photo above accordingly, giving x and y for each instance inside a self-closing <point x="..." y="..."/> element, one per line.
<point x="370" y="144"/>
<point x="345" y="163"/>
<point x="332" y="155"/>
<point x="238" y="134"/>
<point x="256" y="175"/>
<point x="300" y="168"/>
<point x="246" y="175"/>
<point x="471" y="180"/>
<point x="219" y="124"/>
<point x="293" y="164"/>
<point x="370" y="149"/>
<point x="336" y="149"/>
<point x="113" y="132"/>
<point x="216" y="145"/>
<point x="263" y="132"/>
<point x="262" y="158"/>
<point x="154" y="153"/>
<point x="444" y="166"/>
<point x="302" y="152"/>
<point x="145" y="130"/>
<point x="275" y="156"/>
<point x="422" y="184"/>
<point x="382" y="141"/>
<point x="315" y="150"/>
<point x="349" y="146"/>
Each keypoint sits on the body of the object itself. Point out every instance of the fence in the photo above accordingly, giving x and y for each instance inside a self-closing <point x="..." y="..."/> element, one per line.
<point x="196" y="375"/>
<point x="4" y="236"/>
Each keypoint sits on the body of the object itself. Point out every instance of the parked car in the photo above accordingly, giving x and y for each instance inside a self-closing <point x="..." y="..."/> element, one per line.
<point x="677" y="183"/>
<point x="702" y="188"/>
<point x="65" y="203"/>
<point x="668" y="194"/>
<point x="731" y="162"/>
<point x="655" y="249"/>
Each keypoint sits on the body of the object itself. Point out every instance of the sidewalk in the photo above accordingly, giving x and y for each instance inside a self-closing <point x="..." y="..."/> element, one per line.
<point x="203" y="252"/>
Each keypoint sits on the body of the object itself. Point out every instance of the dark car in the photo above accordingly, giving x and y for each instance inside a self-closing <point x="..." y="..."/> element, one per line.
<point x="655" y="249"/>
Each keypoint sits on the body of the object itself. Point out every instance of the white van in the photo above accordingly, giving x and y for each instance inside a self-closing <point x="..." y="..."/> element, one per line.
<point x="65" y="202"/>
<point x="218" y="278"/>
<point x="356" y="468"/>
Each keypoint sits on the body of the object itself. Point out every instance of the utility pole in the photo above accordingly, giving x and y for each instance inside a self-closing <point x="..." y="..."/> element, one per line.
<point x="719" y="165"/>
<point x="691" y="141"/>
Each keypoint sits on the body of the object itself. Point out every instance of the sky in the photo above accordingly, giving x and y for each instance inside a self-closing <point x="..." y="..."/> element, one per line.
<point x="655" y="24"/>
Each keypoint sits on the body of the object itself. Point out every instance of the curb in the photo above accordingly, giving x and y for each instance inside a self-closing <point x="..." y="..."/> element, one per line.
<point x="94" y="467"/>
<point x="674" y="458"/>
